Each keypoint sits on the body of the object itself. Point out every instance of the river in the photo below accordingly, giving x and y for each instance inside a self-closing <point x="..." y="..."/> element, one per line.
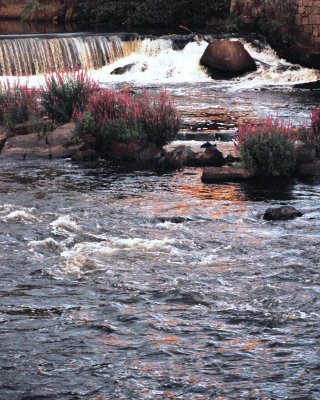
<point x="100" y="300"/>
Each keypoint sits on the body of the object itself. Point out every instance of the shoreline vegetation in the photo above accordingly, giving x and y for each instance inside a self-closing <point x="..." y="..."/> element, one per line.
<point x="152" y="13"/>
<point x="136" y="127"/>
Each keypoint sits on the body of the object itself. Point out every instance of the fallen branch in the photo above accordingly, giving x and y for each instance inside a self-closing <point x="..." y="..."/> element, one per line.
<point x="198" y="36"/>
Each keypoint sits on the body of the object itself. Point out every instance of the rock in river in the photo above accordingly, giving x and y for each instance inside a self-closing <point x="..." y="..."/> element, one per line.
<point x="281" y="213"/>
<point x="211" y="157"/>
<point x="174" y="220"/>
<point x="227" y="59"/>
<point x="225" y="174"/>
<point x="122" y="70"/>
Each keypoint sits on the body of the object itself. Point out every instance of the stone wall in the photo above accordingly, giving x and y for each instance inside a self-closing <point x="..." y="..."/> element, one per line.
<point x="307" y="19"/>
<point x="293" y="26"/>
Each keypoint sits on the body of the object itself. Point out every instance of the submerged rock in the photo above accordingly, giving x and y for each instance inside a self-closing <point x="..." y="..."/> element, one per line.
<point x="281" y="213"/>
<point x="225" y="174"/>
<point x="227" y="59"/>
<point x="174" y="220"/>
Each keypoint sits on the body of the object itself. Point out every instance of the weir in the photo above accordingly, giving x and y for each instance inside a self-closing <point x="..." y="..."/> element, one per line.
<point x="33" y="55"/>
<point x="164" y="59"/>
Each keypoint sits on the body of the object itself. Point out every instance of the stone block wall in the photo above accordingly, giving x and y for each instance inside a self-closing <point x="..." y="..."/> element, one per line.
<point x="294" y="22"/>
<point x="307" y="20"/>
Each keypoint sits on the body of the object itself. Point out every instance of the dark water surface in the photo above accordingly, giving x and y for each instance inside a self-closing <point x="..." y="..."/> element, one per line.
<point x="99" y="300"/>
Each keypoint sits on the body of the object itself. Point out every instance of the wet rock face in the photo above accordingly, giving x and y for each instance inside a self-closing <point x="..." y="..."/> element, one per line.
<point x="122" y="70"/>
<point x="180" y="156"/>
<point x="227" y="59"/>
<point x="281" y="214"/>
<point x="211" y="157"/>
<point x="56" y="144"/>
<point x="139" y="152"/>
<point x="225" y="174"/>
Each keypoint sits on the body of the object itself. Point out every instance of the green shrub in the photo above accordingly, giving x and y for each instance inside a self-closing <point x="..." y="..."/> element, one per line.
<point x="268" y="149"/>
<point x="66" y="92"/>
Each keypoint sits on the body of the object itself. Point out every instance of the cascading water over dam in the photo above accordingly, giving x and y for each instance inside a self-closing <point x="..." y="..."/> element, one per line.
<point x="36" y="55"/>
<point x="174" y="58"/>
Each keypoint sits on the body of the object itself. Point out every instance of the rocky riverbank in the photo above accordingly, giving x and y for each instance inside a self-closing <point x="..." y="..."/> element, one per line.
<point x="220" y="160"/>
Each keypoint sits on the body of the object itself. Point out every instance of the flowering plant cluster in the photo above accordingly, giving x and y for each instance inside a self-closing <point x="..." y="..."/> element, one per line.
<point x="18" y="103"/>
<point x="122" y="117"/>
<point x="105" y="115"/>
<point x="65" y="92"/>
<point x="268" y="148"/>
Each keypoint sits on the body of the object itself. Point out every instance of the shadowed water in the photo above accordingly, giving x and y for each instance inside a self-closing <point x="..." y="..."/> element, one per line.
<point x="100" y="300"/>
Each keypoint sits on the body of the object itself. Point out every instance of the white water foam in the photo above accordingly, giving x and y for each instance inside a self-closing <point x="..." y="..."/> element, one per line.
<point x="65" y="224"/>
<point x="48" y="244"/>
<point x="273" y="70"/>
<point x="93" y="255"/>
<point x="155" y="62"/>
<point x="12" y="213"/>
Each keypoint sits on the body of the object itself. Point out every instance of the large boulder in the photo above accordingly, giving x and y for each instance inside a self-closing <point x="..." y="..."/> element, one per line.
<point x="227" y="59"/>
<point x="281" y="213"/>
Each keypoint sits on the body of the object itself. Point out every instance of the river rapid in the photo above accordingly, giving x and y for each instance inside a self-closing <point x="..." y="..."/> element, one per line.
<point x="100" y="300"/>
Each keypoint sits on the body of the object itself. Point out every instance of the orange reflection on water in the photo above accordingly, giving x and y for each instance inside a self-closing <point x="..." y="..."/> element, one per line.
<point x="218" y="192"/>
<point x="222" y="197"/>
<point x="164" y="340"/>
<point x="238" y="345"/>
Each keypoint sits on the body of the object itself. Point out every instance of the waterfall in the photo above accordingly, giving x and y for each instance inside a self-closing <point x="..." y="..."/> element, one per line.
<point x="167" y="59"/>
<point x="37" y="55"/>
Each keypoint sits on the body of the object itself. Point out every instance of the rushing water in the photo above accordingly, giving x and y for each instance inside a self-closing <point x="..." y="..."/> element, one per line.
<point x="99" y="299"/>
